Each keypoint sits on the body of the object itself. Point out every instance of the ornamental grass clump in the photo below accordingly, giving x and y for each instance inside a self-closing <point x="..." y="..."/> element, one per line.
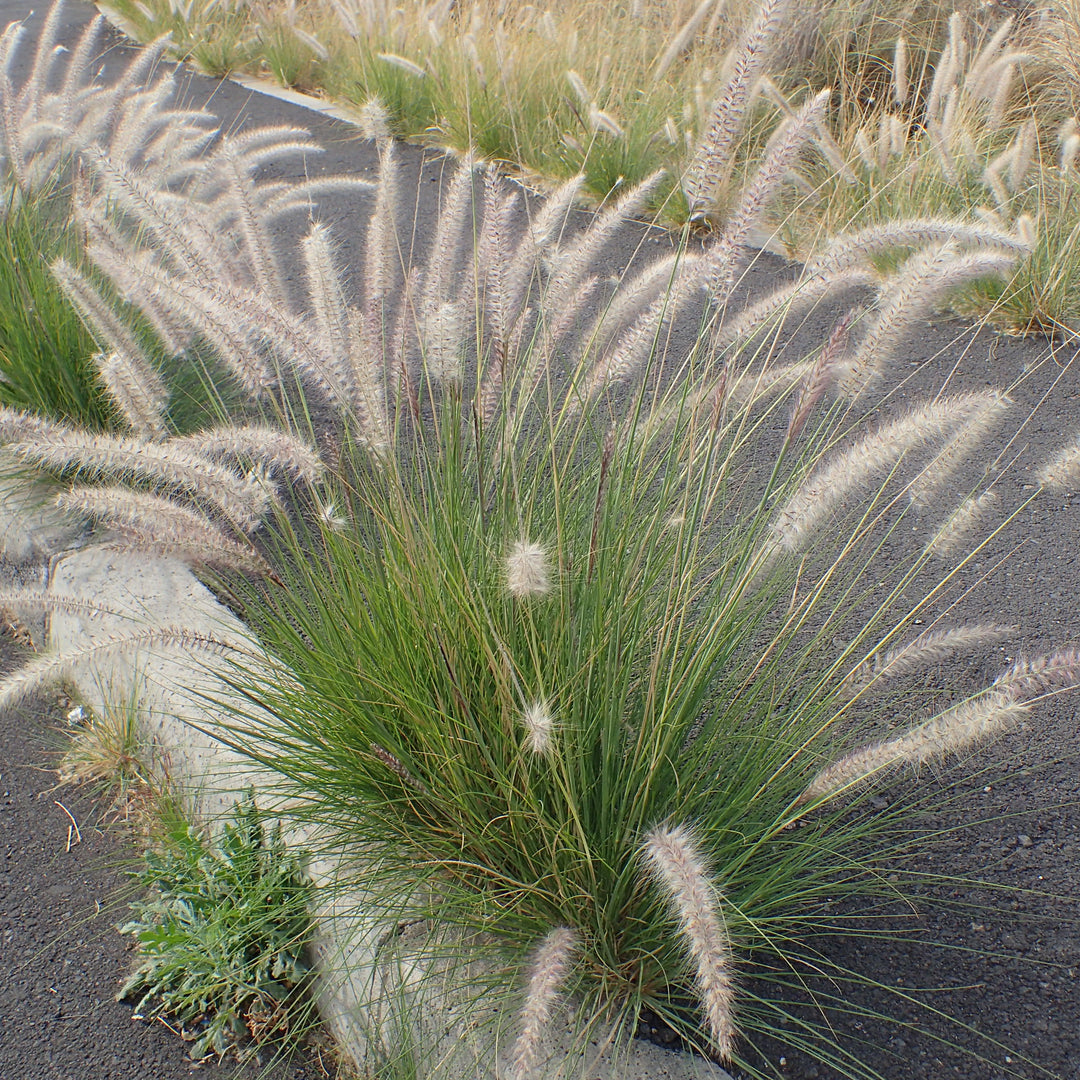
<point x="585" y="648"/>
<point x="578" y="638"/>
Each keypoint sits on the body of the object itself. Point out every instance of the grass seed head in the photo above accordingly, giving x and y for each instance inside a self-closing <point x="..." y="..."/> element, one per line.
<point x="528" y="574"/>
<point x="673" y="856"/>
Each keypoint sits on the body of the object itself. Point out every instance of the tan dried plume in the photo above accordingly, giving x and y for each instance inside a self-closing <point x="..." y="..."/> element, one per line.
<point x="150" y="521"/>
<point x="552" y="962"/>
<point x="953" y="731"/>
<point x="927" y="648"/>
<point x="674" y="859"/>
<point x="825" y="491"/>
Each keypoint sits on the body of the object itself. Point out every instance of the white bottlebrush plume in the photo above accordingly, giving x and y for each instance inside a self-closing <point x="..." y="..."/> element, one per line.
<point x="849" y="471"/>
<point x="852" y="250"/>
<point x="713" y="160"/>
<point x="551" y="963"/>
<point x="150" y="521"/>
<point x="528" y="573"/>
<point x="953" y="731"/>
<point x="242" y="500"/>
<point x="128" y="375"/>
<point x="959" y="526"/>
<point x="453" y="228"/>
<point x="126" y="264"/>
<point x="374" y="120"/>
<point x="1062" y="472"/>
<point x="42" y="601"/>
<point x="673" y="857"/>
<point x="47" y="669"/>
<point x="920" y="285"/>
<point x="269" y="445"/>
<point x="382" y="256"/>
<point x="925" y="489"/>
<point x="330" y="516"/>
<point x="716" y="273"/>
<point x="820" y="376"/>
<point x="789" y="301"/>
<point x="242" y="199"/>
<point x="16" y="425"/>
<point x="367" y="357"/>
<point x="539" y="726"/>
<point x="187" y="237"/>
<point x="326" y="296"/>
<point x="443" y="341"/>
<point x="900" y="72"/>
<point x="1044" y="675"/>
<point x="928" y="648"/>
<point x="682" y="39"/>
<point x="137" y="392"/>
<point x="570" y="263"/>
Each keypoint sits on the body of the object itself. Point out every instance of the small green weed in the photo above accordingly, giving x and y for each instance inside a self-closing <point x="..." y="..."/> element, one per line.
<point x="222" y="939"/>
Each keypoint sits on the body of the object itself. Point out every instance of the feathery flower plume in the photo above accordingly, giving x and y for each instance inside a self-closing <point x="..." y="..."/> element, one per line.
<point x="539" y="725"/>
<point x="268" y="444"/>
<point x="920" y="284"/>
<point x="40" y="601"/>
<point x="926" y="487"/>
<point x="243" y="201"/>
<point x="242" y="500"/>
<point x="551" y="964"/>
<point x="960" y="524"/>
<point x="330" y="516"/>
<point x="1045" y="674"/>
<point x="141" y="400"/>
<point x="454" y="222"/>
<point x="443" y="341"/>
<point x="960" y="728"/>
<point x="374" y="120"/>
<point x="326" y="295"/>
<point x="527" y="571"/>
<point x="853" y="249"/>
<point x="369" y="401"/>
<point x="49" y="668"/>
<point x="187" y="238"/>
<point x="404" y="63"/>
<point x="382" y="256"/>
<point x="928" y="648"/>
<point x="820" y="375"/>
<point x="716" y="273"/>
<point x="570" y="264"/>
<point x="681" y="39"/>
<point x="899" y="72"/>
<point x="712" y="163"/>
<point x="752" y="387"/>
<point x="133" y="384"/>
<point x="788" y="301"/>
<point x="156" y="522"/>
<point x="223" y="319"/>
<point x="673" y="857"/>
<point x="829" y="486"/>
<point x="1062" y="472"/>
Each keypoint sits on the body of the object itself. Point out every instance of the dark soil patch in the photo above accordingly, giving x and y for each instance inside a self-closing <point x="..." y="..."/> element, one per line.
<point x="60" y="901"/>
